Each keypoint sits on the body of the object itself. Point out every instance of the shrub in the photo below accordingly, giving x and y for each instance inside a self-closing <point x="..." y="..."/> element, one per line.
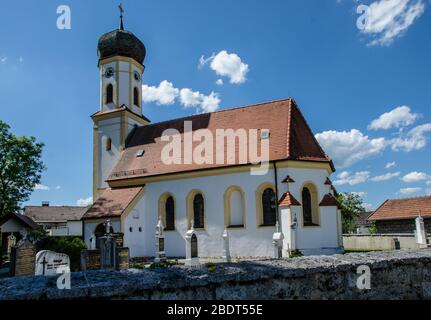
<point x="295" y="253"/>
<point x="70" y="245"/>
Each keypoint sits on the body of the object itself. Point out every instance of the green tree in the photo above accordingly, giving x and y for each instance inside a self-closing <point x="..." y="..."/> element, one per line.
<point x="20" y="168"/>
<point x="351" y="207"/>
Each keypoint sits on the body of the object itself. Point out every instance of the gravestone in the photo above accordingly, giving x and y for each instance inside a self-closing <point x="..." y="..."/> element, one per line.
<point x="192" y="256"/>
<point x="49" y="263"/>
<point x="123" y="258"/>
<point x="160" y="242"/>
<point x="107" y="252"/>
<point x="90" y="260"/>
<point x="421" y="237"/>
<point x="226" y="249"/>
<point x="11" y="241"/>
<point x="22" y="260"/>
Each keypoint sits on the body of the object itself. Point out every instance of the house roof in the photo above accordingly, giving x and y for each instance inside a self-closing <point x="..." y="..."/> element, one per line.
<point x="407" y="208"/>
<point x="361" y="219"/>
<point x="22" y="219"/>
<point x="329" y="201"/>
<point x="287" y="199"/>
<point x="112" y="202"/>
<point x="54" y="213"/>
<point x="290" y="139"/>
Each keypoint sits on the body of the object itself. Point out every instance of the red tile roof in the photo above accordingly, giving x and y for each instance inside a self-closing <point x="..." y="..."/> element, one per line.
<point x="288" y="200"/>
<point x="329" y="201"/>
<point x="290" y="139"/>
<point x="408" y="208"/>
<point x="112" y="202"/>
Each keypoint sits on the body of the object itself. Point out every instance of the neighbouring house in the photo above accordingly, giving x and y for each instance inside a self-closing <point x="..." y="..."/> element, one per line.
<point x="361" y="224"/>
<point x="14" y="224"/>
<point x="136" y="181"/>
<point x="398" y="215"/>
<point x="57" y="220"/>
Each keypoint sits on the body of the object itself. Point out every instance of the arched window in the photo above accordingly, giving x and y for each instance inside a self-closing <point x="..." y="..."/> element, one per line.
<point x="310" y="208"/>
<point x="109" y="93"/>
<point x="170" y="213"/>
<point x="234" y="207"/>
<point x="306" y="207"/>
<point x="198" y="211"/>
<point x="269" y="207"/>
<point x="108" y="144"/>
<point x="136" y="96"/>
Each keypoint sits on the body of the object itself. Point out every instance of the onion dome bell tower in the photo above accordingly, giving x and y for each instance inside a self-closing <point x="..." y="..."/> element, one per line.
<point x="121" y="65"/>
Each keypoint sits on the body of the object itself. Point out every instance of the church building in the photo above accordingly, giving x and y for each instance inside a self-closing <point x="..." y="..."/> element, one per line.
<point x="134" y="187"/>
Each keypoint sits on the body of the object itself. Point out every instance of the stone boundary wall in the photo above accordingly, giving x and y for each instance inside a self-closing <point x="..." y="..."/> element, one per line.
<point x="401" y="274"/>
<point x="379" y="241"/>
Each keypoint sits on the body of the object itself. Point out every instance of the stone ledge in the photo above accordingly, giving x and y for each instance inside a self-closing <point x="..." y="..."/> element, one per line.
<point x="322" y="277"/>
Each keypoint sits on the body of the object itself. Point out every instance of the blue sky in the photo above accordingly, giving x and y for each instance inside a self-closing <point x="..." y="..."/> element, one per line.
<point x="343" y="77"/>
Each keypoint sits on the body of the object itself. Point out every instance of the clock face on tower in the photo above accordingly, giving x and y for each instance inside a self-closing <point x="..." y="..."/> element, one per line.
<point x="109" y="72"/>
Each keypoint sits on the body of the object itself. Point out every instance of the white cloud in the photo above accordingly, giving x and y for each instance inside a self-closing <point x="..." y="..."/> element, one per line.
<point x="415" y="139"/>
<point x="164" y="94"/>
<point x="396" y="118"/>
<point x="167" y="94"/>
<point x="428" y="183"/>
<point x="415" y="177"/>
<point x="368" y="206"/>
<point x="41" y="187"/>
<point x="352" y="179"/>
<point x="410" y="190"/>
<point x="389" y="19"/>
<point x="390" y="165"/>
<point x="3" y="59"/>
<point x="385" y="177"/>
<point x="227" y="65"/>
<point x="348" y="147"/>
<point x="362" y="194"/>
<point x="219" y="82"/>
<point x="84" y="202"/>
<point x="203" y="103"/>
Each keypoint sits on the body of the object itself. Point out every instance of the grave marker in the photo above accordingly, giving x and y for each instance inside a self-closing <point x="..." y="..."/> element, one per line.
<point x="49" y="262"/>
<point x="22" y="260"/>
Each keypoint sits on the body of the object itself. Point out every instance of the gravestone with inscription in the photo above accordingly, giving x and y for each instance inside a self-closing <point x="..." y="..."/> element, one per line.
<point x="49" y="262"/>
<point x="90" y="259"/>
<point x="122" y="258"/>
<point x="192" y="256"/>
<point x="22" y="259"/>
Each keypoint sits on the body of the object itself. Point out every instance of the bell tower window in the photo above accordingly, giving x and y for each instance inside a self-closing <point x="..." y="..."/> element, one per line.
<point x="109" y="93"/>
<point x="108" y="144"/>
<point x="136" y="96"/>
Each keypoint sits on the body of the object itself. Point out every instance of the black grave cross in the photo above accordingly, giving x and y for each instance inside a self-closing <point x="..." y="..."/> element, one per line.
<point x="43" y="263"/>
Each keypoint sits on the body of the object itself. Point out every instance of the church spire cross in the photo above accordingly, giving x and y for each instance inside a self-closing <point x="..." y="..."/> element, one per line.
<point x="120" y="7"/>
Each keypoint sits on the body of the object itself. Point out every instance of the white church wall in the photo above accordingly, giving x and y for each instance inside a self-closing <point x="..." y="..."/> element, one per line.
<point x="138" y="239"/>
<point x="109" y="128"/>
<point x="246" y="242"/>
<point x="137" y="84"/>
<point x="250" y="241"/>
<point x="124" y="84"/>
